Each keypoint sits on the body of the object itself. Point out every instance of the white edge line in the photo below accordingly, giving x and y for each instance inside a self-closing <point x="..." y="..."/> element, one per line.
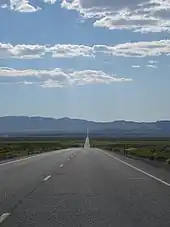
<point x="20" y="160"/>
<point x="3" y="217"/>
<point x="47" y="178"/>
<point x="139" y="170"/>
<point x="23" y="159"/>
<point x="61" y="165"/>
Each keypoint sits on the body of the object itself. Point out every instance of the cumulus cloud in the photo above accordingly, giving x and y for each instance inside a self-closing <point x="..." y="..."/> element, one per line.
<point x="151" y="66"/>
<point x="24" y="6"/>
<point x="50" y="1"/>
<point x="131" y="49"/>
<point x="137" y="15"/>
<point x="57" y="77"/>
<point x="38" y="51"/>
<point x="141" y="49"/>
<point x="68" y="50"/>
<point x="152" y="62"/>
<point x="135" y="66"/>
<point x="4" y="6"/>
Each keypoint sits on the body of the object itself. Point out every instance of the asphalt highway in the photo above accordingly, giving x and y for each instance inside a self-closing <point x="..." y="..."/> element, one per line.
<point x="83" y="187"/>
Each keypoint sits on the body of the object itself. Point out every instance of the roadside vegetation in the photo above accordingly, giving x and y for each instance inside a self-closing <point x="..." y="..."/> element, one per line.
<point x="152" y="149"/>
<point x="25" y="146"/>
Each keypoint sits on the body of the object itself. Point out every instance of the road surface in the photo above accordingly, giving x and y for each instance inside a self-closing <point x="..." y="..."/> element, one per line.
<point x="81" y="188"/>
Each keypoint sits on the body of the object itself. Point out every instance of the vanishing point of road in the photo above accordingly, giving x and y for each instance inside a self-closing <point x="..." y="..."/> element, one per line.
<point x="83" y="187"/>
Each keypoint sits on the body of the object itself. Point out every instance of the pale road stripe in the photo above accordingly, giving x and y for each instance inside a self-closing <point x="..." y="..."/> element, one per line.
<point x="3" y="217"/>
<point x="47" y="178"/>
<point x="61" y="165"/>
<point x="139" y="170"/>
<point x="68" y="159"/>
<point x="136" y="178"/>
<point x="19" y="160"/>
<point x="23" y="159"/>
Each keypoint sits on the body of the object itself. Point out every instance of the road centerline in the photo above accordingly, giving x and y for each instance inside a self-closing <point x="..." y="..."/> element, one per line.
<point x="3" y="217"/>
<point x="47" y="178"/>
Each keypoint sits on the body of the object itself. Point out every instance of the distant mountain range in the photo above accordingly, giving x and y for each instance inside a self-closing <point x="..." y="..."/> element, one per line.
<point x="13" y="125"/>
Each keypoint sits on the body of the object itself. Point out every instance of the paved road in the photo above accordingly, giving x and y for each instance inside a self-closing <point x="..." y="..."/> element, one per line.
<point x="82" y="188"/>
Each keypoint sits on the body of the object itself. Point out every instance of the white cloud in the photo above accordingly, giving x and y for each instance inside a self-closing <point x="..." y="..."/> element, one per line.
<point x="4" y="6"/>
<point x="151" y="66"/>
<point x="22" y="6"/>
<point x="107" y="5"/>
<point x="50" y="1"/>
<point x="131" y="49"/>
<point x="152" y="62"/>
<point x="140" y="49"/>
<point x="135" y="66"/>
<point x="27" y="82"/>
<point x="38" y="51"/>
<point x="57" y="77"/>
<point x="136" y="15"/>
<point x="68" y="50"/>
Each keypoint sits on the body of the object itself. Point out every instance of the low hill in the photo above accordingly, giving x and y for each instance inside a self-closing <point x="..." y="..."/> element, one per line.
<point x="41" y="125"/>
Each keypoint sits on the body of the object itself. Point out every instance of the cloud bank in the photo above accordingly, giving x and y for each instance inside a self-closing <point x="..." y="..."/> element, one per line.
<point x="136" y="15"/>
<point x="57" y="77"/>
<point x="133" y="49"/>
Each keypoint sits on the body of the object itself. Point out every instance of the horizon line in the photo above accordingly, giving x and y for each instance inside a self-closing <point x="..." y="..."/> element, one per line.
<point x="78" y="118"/>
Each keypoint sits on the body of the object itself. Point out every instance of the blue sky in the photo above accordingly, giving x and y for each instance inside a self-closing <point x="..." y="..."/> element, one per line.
<point x="100" y="60"/>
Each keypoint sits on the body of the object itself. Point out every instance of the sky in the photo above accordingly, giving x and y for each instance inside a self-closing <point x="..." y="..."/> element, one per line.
<point x="101" y="60"/>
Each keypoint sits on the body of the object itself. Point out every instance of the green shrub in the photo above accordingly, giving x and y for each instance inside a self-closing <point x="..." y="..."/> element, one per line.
<point x="168" y="161"/>
<point x="160" y="158"/>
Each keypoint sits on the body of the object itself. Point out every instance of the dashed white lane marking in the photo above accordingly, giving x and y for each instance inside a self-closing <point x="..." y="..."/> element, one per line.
<point x="47" y="178"/>
<point x="61" y="165"/>
<point x="68" y="159"/>
<point x="139" y="170"/>
<point x="3" y="217"/>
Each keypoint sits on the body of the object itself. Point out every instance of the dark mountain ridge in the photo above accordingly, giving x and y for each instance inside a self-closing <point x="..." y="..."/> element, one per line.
<point x="25" y="124"/>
